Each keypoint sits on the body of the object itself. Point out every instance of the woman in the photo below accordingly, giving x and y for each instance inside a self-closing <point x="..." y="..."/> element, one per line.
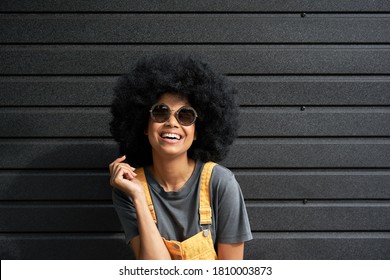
<point x="171" y="115"/>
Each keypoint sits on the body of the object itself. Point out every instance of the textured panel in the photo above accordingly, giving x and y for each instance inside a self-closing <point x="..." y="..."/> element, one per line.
<point x="55" y="185"/>
<point x="56" y="91"/>
<point x="57" y="153"/>
<point x="64" y="246"/>
<point x="252" y="90"/>
<point x="263" y="216"/>
<point x="58" y="217"/>
<point x="245" y="153"/>
<point x="314" y="121"/>
<point x="319" y="216"/>
<point x="312" y="90"/>
<point x="308" y="184"/>
<point x="199" y="5"/>
<point x="318" y="246"/>
<point x="233" y="59"/>
<point x="55" y="122"/>
<point x="309" y="153"/>
<point x="205" y="28"/>
<point x="263" y="122"/>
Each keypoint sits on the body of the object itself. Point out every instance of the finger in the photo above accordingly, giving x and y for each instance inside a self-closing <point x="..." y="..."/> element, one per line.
<point x="118" y="177"/>
<point x="124" y="172"/>
<point x="127" y="167"/>
<point x="124" y="166"/>
<point x="118" y="160"/>
<point x="115" y="162"/>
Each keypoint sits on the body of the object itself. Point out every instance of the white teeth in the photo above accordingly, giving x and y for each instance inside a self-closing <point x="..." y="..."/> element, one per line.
<point x="171" y="135"/>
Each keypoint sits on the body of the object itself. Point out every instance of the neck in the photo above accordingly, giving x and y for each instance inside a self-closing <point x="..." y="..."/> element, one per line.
<point x="173" y="173"/>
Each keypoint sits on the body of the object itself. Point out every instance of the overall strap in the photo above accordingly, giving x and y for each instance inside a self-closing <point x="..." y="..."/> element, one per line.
<point x="205" y="212"/>
<point x="141" y="177"/>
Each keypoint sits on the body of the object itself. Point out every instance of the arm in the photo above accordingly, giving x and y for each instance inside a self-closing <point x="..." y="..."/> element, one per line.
<point x="233" y="251"/>
<point x="149" y="244"/>
<point x="233" y="224"/>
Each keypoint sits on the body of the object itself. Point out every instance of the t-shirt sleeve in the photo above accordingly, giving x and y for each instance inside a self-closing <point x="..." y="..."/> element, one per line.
<point x="232" y="218"/>
<point x="126" y="212"/>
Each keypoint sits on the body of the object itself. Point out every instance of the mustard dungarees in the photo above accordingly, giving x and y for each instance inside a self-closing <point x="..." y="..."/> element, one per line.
<point x="199" y="246"/>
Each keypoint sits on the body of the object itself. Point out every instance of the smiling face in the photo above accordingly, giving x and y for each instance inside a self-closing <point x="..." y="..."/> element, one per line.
<point x="170" y="139"/>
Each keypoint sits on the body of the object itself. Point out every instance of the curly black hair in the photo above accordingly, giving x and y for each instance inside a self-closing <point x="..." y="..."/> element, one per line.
<point x="209" y="92"/>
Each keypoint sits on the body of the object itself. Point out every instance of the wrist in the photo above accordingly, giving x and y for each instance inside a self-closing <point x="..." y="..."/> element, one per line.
<point x="138" y="198"/>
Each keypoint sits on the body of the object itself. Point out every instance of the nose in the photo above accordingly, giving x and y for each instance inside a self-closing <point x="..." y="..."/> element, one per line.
<point x="172" y="121"/>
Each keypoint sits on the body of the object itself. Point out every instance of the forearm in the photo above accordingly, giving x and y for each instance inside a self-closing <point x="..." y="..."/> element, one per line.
<point x="233" y="251"/>
<point x="151" y="245"/>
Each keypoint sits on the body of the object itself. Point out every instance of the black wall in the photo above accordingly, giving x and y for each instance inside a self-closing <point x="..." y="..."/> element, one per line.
<point x="314" y="148"/>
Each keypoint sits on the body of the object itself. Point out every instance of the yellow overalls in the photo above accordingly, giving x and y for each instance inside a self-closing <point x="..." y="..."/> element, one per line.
<point x="199" y="246"/>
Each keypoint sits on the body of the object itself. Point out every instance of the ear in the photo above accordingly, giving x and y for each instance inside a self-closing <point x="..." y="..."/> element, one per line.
<point x="195" y="135"/>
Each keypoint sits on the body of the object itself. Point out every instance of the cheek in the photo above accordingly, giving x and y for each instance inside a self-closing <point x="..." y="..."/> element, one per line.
<point x="191" y="132"/>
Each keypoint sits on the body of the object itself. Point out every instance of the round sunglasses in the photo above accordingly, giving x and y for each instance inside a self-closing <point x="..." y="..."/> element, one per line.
<point x="161" y="112"/>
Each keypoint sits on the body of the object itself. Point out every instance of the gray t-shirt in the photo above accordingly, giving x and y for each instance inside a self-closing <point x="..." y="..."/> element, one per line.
<point x="178" y="212"/>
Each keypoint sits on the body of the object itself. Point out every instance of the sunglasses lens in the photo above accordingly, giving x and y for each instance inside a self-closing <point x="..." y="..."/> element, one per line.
<point x="186" y="116"/>
<point x="160" y="113"/>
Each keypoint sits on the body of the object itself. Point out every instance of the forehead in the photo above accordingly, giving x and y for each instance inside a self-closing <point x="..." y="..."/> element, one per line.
<point x="173" y="100"/>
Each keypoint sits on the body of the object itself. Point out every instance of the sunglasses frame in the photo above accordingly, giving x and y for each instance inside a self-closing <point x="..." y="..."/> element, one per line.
<point x="176" y="114"/>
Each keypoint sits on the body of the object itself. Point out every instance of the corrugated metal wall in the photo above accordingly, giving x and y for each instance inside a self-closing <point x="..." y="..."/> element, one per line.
<point x="314" y="148"/>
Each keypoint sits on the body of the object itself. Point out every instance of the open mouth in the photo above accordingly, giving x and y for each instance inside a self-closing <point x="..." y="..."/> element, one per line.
<point x="170" y="136"/>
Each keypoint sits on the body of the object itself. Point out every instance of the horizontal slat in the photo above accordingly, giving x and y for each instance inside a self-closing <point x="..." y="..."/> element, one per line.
<point x="245" y="153"/>
<point x="23" y="217"/>
<point x="264" y="216"/>
<point x="264" y="122"/>
<point x="56" y="91"/>
<point x="312" y="90"/>
<point x="318" y="246"/>
<point x="55" y="185"/>
<point x="309" y="153"/>
<point x="55" y="122"/>
<point x="252" y="90"/>
<point x="228" y="59"/>
<point x="321" y="184"/>
<point x="174" y="28"/>
<point x="315" y="121"/>
<point x="264" y="246"/>
<point x="57" y="153"/>
<point x="199" y="5"/>
<point x="318" y="216"/>
<point x="287" y="184"/>
<point x="97" y="246"/>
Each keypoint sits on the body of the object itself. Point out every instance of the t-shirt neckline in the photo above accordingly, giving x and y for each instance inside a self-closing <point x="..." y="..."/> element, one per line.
<point x="184" y="191"/>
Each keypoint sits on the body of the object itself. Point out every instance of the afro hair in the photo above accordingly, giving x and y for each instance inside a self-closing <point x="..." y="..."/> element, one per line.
<point x="208" y="92"/>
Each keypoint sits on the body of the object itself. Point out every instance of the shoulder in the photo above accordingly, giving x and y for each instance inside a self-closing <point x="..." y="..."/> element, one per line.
<point x="220" y="172"/>
<point x="223" y="180"/>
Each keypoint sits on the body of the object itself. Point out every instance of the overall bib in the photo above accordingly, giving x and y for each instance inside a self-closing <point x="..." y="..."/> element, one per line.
<point x="199" y="246"/>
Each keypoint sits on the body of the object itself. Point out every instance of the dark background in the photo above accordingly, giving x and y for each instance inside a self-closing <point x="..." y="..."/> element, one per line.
<point x="313" y="151"/>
